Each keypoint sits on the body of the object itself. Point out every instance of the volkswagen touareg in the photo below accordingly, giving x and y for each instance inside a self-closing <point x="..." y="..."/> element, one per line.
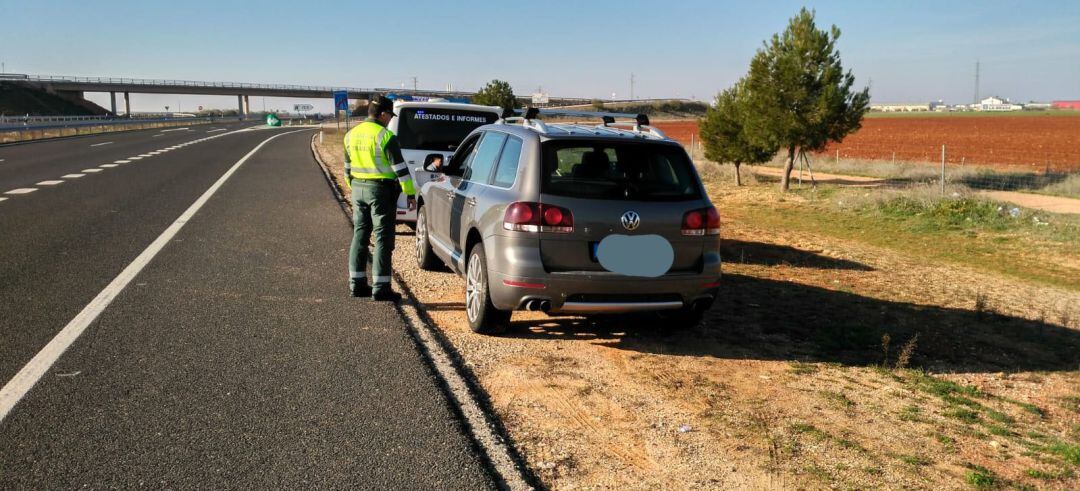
<point x="571" y="219"/>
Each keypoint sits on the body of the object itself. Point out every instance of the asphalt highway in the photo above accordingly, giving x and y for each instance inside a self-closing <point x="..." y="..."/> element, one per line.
<point x="234" y="358"/>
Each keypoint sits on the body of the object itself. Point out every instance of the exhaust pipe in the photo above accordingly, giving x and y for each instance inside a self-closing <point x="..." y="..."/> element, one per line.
<point x="538" y="305"/>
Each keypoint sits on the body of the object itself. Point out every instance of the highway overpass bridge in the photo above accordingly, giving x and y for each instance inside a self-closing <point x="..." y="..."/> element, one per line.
<point x="75" y="87"/>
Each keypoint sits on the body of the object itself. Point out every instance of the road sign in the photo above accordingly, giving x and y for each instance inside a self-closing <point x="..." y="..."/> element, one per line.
<point x="302" y="107"/>
<point x="341" y="100"/>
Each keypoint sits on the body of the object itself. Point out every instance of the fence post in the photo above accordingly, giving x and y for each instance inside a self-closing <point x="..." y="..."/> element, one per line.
<point x="943" y="170"/>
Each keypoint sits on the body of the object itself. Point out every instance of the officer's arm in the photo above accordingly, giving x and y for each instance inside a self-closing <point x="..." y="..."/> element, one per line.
<point x="348" y="164"/>
<point x="400" y="168"/>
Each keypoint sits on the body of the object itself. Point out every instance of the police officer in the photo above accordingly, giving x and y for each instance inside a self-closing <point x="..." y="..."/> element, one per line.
<point x="377" y="175"/>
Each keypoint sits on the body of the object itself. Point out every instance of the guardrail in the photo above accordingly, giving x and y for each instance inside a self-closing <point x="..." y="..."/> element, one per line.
<point x="27" y="120"/>
<point x="249" y="86"/>
<point x="20" y="133"/>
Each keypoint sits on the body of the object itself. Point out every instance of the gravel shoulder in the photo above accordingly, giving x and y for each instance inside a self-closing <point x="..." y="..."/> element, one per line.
<point x="798" y="378"/>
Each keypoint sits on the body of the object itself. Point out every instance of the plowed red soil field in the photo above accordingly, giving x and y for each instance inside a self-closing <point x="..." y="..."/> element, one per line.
<point x="1030" y="142"/>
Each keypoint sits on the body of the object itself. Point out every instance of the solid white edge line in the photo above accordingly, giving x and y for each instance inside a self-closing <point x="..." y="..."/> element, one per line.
<point x="18" y="386"/>
<point x="100" y="144"/>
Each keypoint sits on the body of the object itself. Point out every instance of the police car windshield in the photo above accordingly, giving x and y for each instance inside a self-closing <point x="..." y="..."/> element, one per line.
<point x="438" y="129"/>
<point x="618" y="171"/>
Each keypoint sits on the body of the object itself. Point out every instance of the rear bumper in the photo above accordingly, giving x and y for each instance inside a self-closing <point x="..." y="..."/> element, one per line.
<point x="517" y="279"/>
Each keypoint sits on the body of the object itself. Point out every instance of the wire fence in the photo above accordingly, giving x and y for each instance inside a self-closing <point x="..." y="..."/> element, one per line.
<point x="945" y="175"/>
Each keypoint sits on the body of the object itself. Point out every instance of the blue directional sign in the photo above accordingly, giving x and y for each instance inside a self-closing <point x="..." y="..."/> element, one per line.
<point x="341" y="100"/>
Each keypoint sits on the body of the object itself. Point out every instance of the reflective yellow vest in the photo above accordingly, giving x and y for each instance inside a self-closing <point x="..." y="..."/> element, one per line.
<point x="369" y="158"/>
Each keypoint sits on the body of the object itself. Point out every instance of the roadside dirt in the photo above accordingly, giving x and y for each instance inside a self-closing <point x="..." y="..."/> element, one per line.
<point x="791" y="380"/>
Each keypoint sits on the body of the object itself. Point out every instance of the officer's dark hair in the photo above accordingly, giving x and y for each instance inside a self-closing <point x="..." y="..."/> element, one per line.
<point x="379" y="105"/>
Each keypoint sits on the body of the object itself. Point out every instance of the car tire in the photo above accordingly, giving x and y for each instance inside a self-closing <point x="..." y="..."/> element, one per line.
<point x="425" y="257"/>
<point x="483" y="317"/>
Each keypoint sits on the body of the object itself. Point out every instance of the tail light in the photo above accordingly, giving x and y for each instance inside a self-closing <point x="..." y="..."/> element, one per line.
<point x="705" y="221"/>
<point x="523" y="216"/>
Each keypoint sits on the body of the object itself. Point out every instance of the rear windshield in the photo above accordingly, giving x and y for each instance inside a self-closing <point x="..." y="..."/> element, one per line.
<point x="618" y="171"/>
<point x="438" y="129"/>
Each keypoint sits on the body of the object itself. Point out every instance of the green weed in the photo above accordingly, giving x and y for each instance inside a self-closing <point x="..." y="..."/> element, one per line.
<point x="980" y="477"/>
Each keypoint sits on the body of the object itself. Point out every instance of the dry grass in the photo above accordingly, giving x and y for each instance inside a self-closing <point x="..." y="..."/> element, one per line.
<point x="787" y="383"/>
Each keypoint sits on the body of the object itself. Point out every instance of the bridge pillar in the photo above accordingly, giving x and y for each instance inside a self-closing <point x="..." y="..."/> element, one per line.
<point x="127" y="104"/>
<point x="112" y="99"/>
<point x="247" y="106"/>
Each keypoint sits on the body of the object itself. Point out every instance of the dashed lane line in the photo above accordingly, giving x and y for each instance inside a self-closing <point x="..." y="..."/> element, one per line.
<point x="107" y="166"/>
<point x="100" y="144"/>
<point x="2" y="198"/>
<point x="29" y="375"/>
<point x="144" y="155"/>
<point x="177" y="129"/>
<point x="157" y="135"/>
<point x="49" y="183"/>
<point x="72" y="176"/>
<point x="21" y="191"/>
<point x="91" y="170"/>
<point x="135" y="158"/>
<point x="218" y="129"/>
<point x="121" y="161"/>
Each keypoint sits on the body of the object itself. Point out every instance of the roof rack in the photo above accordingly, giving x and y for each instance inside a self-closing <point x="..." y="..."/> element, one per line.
<point x="640" y="123"/>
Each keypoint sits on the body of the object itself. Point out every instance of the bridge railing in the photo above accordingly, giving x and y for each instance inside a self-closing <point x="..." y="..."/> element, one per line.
<point x="120" y="82"/>
<point x="6" y="120"/>
<point x="20" y="132"/>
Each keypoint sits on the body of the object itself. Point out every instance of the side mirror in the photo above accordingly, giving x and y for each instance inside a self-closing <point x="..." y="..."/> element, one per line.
<point x="434" y="162"/>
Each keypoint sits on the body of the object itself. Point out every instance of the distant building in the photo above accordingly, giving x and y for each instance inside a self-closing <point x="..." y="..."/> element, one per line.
<point x="1036" y="106"/>
<point x="997" y="104"/>
<point x="901" y="107"/>
<point x="1066" y="105"/>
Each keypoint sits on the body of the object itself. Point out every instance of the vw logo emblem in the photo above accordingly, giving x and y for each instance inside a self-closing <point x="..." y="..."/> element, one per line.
<point x="631" y="220"/>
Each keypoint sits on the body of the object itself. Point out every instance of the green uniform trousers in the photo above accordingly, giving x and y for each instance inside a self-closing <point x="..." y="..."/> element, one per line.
<point x="374" y="211"/>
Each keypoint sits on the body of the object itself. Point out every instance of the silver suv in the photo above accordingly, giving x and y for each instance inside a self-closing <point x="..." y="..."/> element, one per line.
<point x="571" y="219"/>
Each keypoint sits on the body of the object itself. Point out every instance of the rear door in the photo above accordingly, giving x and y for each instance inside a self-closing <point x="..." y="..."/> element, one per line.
<point x="469" y="189"/>
<point x="601" y="182"/>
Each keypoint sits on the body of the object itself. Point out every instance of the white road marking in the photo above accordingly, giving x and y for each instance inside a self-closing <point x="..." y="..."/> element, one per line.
<point x="157" y="135"/>
<point x="72" y="176"/>
<point x="23" y="381"/>
<point x="21" y="191"/>
<point x="144" y="155"/>
<point x="2" y="199"/>
<point x="49" y="183"/>
<point x="1" y="160"/>
<point x="91" y="170"/>
<point x="135" y="158"/>
<point x="100" y="144"/>
<point x="218" y="129"/>
<point x="107" y="166"/>
<point x="176" y="129"/>
<point x="121" y="161"/>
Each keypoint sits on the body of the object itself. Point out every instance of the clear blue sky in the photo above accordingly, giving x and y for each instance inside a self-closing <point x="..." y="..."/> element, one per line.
<point x="907" y="51"/>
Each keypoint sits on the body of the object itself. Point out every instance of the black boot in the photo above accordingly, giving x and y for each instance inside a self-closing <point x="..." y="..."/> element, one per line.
<point x="360" y="290"/>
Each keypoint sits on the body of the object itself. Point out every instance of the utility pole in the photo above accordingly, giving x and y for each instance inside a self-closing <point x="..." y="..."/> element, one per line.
<point x="976" y="81"/>
<point x="414" y="84"/>
<point x="631" y="86"/>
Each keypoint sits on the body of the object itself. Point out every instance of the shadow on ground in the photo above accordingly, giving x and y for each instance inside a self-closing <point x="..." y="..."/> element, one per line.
<point x="758" y="318"/>
<point x="745" y="252"/>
